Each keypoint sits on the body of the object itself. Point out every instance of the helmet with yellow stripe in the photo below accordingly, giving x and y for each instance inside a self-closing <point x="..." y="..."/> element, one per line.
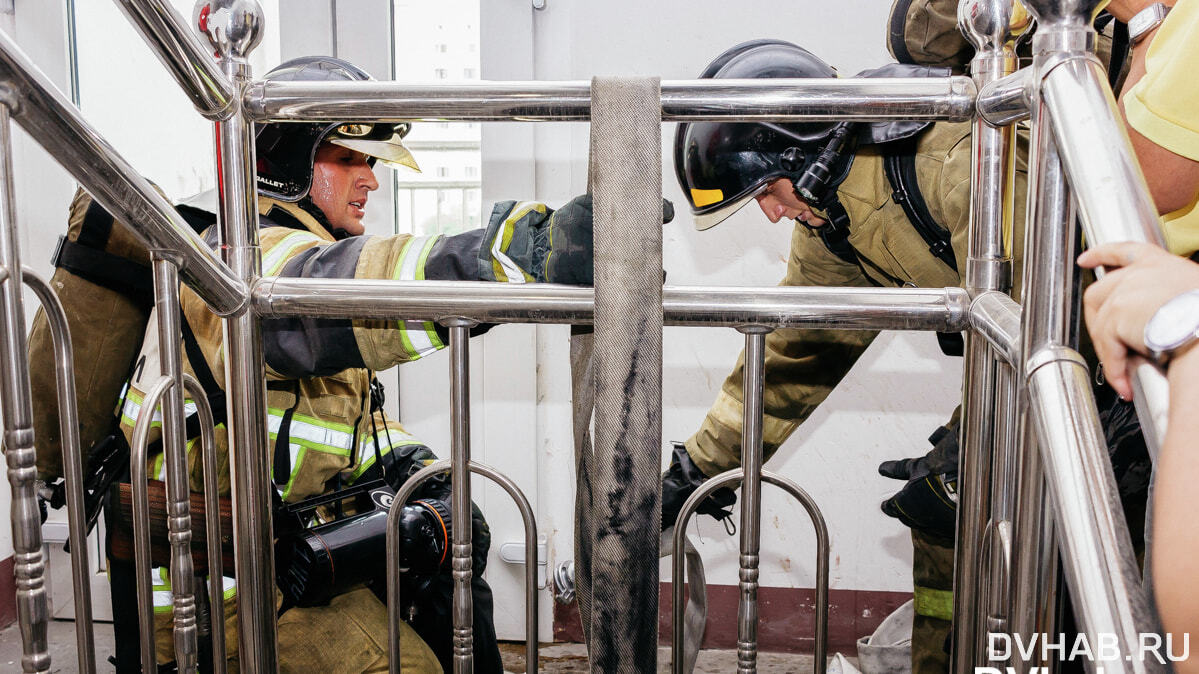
<point x="722" y="166"/>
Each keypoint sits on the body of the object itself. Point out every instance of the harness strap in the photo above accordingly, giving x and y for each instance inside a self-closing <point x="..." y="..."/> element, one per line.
<point x="216" y="397"/>
<point x="900" y="167"/>
<point x="95" y="265"/>
<point x="835" y="234"/>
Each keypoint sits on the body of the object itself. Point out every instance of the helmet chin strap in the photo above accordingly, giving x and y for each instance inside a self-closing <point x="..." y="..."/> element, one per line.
<point x="312" y="209"/>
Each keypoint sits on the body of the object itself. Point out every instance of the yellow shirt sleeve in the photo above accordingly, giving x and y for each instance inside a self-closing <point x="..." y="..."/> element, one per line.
<point x="1164" y="105"/>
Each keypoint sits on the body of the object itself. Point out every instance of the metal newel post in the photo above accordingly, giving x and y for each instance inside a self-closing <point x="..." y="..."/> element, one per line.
<point x="464" y="659"/>
<point x="1047" y="301"/>
<point x="234" y="28"/>
<point x="989" y="25"/>
<point x="17" y="406"/>
<point x="174" y="443"/>
<point x="751" y="497"/>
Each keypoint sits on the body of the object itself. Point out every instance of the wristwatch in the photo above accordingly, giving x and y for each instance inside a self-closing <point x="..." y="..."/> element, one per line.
<point x="1146" y="20"/>
<point x="1173" y="326"/>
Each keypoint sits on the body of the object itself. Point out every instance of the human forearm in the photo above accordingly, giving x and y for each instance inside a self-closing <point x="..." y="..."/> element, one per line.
<point x="1172" y="178"/>
<point x="1175" y="555"/>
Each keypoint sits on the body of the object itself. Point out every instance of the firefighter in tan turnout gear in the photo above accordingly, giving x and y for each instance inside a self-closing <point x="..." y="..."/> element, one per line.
<point x="327" y="428"/>
<point x="875" y="205"/>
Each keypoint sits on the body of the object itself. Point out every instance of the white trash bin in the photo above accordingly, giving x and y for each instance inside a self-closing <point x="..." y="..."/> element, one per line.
<point x="889" y="649"/>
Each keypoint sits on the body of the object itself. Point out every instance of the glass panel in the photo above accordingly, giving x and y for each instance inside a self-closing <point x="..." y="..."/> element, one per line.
<point x="127" y="95"/>
<point x="439" y="42"/>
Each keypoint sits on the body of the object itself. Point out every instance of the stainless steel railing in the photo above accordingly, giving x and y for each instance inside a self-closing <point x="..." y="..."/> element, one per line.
<point x="1077" y="134"/>
<point x="750" y="475"/>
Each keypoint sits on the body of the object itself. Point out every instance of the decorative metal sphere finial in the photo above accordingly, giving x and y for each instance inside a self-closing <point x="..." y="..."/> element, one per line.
<point x="990" y="24"/>
<point x="233" y="27"/>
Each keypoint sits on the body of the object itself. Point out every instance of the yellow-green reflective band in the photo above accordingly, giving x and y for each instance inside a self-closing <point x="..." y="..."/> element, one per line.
<point x="419" y="338"/>
<point x="932" y="603"/>
<point x="133" y="407"/>
<point x="504" y="268"/>
<point x="278" y="255"/>
<point x="164" y="599"/>
<point x="368" y="451"/>
<point x="323" y="436"/>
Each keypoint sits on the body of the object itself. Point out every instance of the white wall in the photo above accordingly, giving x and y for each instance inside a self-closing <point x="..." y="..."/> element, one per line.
<point x="900" y="391"/>
<point x="897" y="394"/>
<point x="38" y="181"/>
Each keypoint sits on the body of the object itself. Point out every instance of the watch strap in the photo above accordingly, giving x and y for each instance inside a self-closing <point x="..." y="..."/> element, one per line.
<point x="1146" y="20"/>
<point x="1162" y="350"/>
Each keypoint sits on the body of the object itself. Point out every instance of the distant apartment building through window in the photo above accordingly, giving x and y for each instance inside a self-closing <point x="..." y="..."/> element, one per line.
<point x="441" y="38"/>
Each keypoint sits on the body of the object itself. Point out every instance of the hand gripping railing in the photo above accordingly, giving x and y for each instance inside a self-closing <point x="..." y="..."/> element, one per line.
<point x="460" y="466"/>
<point x="751" y="476"/>
<point x="1076" y="144"/>
<point x="141" y="519"/>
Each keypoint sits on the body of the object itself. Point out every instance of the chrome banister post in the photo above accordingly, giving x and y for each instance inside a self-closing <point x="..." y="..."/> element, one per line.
<point x="988" y="25"/>
<point x="395" y="613"/>
<point x="1047" y="298"/>
<point x="460" y="511"/>
<point x="751" y="497"/>
<point x="140" y="506"/>
<point x="1109" y="601"/>
<point x="17" y="406"/>
<point x="72" y="463"/>
<point x="234" y="28"/>
<point x="212" y="525"/>
<point x="174" y="462"/>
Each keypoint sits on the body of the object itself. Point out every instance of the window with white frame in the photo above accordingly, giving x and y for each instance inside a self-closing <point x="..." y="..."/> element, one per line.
<point x="442" y="38"/>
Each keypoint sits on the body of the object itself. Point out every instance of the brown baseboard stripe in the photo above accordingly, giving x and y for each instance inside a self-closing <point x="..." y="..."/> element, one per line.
<point x="787" y="617"/>
<point x="8" y="592"/>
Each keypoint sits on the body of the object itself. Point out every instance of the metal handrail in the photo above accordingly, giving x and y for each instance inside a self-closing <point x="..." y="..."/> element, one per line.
<point x="212" y="521"/>
<point x="51" y="120"/>
<point x="778" y="100"/>
<point x="394" y="598"/>
<point x="180" y="50"/>
<point x="940" y="309"/>
<point x="1102" y="173"/>
<point x="678" y="573"/>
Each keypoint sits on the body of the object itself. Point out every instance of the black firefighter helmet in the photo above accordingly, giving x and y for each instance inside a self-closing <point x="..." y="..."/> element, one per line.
<point x="721" y="166"/>
<point x="285" y="150"/>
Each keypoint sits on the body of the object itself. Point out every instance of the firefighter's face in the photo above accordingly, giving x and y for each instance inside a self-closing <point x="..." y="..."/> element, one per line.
<point x="780" y="201"/>
<point x="341" y="182"/>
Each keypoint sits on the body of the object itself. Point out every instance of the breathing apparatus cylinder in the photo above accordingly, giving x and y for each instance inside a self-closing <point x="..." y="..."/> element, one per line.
<point x="318" y="563"/>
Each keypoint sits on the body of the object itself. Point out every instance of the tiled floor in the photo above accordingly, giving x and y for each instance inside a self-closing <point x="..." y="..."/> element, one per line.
<point x="557" y="658"/>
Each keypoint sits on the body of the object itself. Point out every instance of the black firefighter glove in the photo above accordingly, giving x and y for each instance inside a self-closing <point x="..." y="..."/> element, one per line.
<point x="681" y="480"/>
<point x="928" y="502"/>
<point x="530" y="241"/>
